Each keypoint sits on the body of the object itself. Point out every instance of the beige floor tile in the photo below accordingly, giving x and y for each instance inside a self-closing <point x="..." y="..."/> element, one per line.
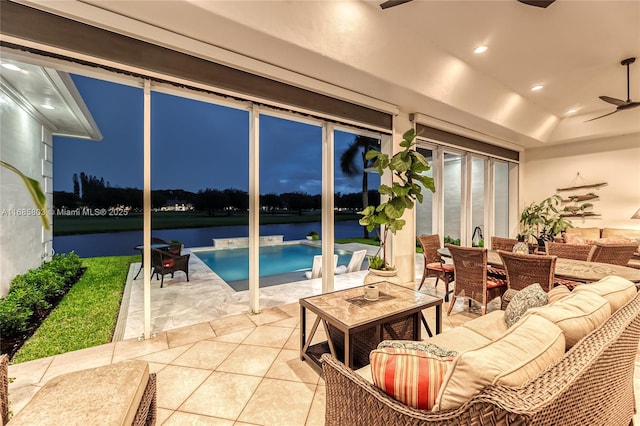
<point x="178" y="418"/>
<point x="268" y="335"/>
<point x="206" y="354"/>
<point x="268" y="316"/>
<point x="133" y="348"/>
<point x="267" y="406"/>
<point x="316" y="414"/>
<point x="176" y="384"/>
<point x="237" y="337"/>
<point x="245" y="424"/>
<point x="288" y="366"/>
<point x="166" y="356"/>
<point x="231" y="324"/>
<point x="222" y="395"/>
<point x="163" y="415"/>
<point x="190" y="334"/>
<point x="28" y="373"/>
<point x="93" y="357"/>
<point x="292" y="309"/>
<point x="292" y="322"/>
<point x="293" y="342"/>
<point x="251" y="360"/>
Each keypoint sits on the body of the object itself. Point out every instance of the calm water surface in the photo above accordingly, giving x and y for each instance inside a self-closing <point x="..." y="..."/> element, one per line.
<point x="123" y="243"/>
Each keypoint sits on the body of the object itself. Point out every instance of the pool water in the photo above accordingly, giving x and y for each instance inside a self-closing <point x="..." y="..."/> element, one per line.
<point x="233" y="264"/>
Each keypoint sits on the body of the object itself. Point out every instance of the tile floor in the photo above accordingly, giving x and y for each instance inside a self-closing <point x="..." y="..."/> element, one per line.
<point x="241" y="369"/>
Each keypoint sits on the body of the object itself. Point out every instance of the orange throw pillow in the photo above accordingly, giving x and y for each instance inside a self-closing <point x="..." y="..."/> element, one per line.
<point x="410" y="376"/>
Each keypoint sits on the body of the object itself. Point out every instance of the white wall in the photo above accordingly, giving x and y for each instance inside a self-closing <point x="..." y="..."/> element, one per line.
<point x="21" y="232"/>
<point x="613" y="160"/>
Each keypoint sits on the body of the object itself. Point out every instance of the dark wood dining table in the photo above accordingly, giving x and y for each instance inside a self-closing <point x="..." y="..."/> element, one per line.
<point x="575" y="270"/>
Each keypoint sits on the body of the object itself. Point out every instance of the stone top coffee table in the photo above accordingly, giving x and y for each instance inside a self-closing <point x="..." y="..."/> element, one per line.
<point x="355" y="325"/>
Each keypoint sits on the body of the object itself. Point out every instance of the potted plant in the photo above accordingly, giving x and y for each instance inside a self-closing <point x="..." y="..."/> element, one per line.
<point x="407" y="167"/>
<point x="313" y="236"/>
<point x="543" y="220"/>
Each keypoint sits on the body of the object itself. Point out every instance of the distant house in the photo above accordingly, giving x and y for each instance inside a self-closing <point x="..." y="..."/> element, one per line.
<point x="177" y="206"/>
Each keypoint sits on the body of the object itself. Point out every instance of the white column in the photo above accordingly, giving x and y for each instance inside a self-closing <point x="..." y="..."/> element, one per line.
<point x="489" y="200"/>
<point x="146" y="202"/>
<point x="254" y="209"/>
<point x="328" y="238"/>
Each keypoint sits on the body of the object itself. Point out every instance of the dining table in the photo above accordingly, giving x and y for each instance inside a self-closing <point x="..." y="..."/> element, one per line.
<point x="571" y="269"/>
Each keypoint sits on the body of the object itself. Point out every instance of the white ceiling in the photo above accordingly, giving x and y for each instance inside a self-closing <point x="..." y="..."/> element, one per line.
<point x="419" y="56"/>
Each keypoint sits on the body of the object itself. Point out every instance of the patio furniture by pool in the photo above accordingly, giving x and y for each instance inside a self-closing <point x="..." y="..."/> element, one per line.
<point x="117" y="394"/>
<point x="354" y="264"/>
<point x="316" y="268"/>
<point x="173" y="247"/>
<point x="164" y="262"/>
<point x="472" y="282"/>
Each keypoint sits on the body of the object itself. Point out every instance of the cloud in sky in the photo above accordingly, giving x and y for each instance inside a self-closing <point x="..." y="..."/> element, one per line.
<point x="195" y="145"/>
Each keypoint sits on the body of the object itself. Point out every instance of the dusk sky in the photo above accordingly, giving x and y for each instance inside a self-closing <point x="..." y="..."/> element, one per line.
<point x="195" y="145"/>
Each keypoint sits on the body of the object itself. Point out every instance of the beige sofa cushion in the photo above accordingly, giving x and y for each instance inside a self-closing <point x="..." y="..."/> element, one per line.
<point x="586" y="233"/>
<point x="617" y="290"/>
<point x="109" y="395"/>
<point x="490" y="326"/>
<point x="558" y="292"/>
<point x="577" y="315"/>
<point x="519" y="355"/>
<point x="619" y="232"/>
<point x="459" y="339"/>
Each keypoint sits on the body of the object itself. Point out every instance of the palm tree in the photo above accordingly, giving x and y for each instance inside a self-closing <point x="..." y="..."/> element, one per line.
<point x="348" y="165"/>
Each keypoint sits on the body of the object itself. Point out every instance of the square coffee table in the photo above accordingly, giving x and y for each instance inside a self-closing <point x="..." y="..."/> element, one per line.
<point x="355" y="325"/>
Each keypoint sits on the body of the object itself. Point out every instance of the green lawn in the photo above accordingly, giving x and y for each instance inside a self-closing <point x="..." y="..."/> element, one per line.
<point x="87" y="314"/>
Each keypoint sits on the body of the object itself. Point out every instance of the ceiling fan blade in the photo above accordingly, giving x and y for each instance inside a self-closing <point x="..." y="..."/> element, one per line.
<point x="629" y="105"/>
<point x="537" y="3"/>
<point x="391" y="3"/>
<point x="602" y="116"/>
<point x="611" y="100"/>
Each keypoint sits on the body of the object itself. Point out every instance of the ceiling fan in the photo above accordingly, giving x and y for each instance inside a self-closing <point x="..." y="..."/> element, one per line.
<point x="619" y="103"/>
<point x="538" y="3"/>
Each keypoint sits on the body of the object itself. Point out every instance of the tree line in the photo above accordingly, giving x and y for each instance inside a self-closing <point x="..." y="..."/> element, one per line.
<point x="93" y="192"/>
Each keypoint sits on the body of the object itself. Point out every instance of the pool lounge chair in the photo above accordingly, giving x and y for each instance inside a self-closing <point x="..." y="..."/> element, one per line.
<point x="357" y="257"/>
<point x="316" y="268"/>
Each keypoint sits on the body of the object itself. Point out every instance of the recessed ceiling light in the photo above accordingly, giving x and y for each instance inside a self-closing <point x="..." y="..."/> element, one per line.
<point x="47" y="106"/>
<point x="571" y="111"/>
<point x="480" y="49"/>
<point x="10" y="67"/>
<point x="537" y="87"/>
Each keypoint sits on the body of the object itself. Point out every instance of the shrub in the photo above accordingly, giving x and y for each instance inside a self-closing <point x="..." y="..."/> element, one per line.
<point x="26" y="294"/>
<point x="13" y="315"/>
<point x="66" y="265"/>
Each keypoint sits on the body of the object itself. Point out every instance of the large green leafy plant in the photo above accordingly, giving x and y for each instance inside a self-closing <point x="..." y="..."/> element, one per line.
<point x="408" y="168"/>
<point x="543" y="220"/>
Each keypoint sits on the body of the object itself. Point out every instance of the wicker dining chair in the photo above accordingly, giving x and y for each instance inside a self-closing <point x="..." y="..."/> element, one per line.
<point x="471" y="279"/>
<point x="164" y="262"/>
<point x="616" y="254"/>
<point x="570" y="251"/>
<point x="500" y="243"/>
<point x="526" y="269"/>
<point x="434" y="266"/>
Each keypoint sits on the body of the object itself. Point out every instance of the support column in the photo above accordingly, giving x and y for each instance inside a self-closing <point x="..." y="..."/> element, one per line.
<point x="254" y="209"/>
<point x="146" y="202"/>
<point x="328" y="237"/>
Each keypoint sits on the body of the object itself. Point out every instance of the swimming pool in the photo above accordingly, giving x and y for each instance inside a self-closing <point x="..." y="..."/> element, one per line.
<point x="233" y="264"/>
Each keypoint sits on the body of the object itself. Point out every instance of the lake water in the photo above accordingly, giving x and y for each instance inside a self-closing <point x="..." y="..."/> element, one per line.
<point x="123" y="243"/>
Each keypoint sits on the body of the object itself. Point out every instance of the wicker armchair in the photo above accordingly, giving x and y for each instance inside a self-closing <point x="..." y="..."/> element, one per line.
<point x="592" y="384"/>
<point x="434" y="266"/>
<point x="616" y="254"/>
<point x="570" y="251"/>
<point x="164" y="262"/>
<point x="174" y="248"/>
<point x="470" y="269"/>
<point x="506" y="244"/>
<point x="526" y="269"/>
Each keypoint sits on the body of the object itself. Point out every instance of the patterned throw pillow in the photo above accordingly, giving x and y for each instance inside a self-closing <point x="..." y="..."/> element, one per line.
<point x="412" y="377"/>
<point x="430" y="348"/>
<point x="531" y="296"/>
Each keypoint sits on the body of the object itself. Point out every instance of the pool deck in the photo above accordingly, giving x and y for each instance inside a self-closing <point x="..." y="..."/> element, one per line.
<point x="206" y="296"/>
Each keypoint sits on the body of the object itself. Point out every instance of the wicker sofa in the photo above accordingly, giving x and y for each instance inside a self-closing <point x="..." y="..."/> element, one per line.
<point x="592" y="383"/>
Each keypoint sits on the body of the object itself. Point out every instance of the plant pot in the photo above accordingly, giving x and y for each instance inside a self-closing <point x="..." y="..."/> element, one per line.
<point x="378" y="275"/>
